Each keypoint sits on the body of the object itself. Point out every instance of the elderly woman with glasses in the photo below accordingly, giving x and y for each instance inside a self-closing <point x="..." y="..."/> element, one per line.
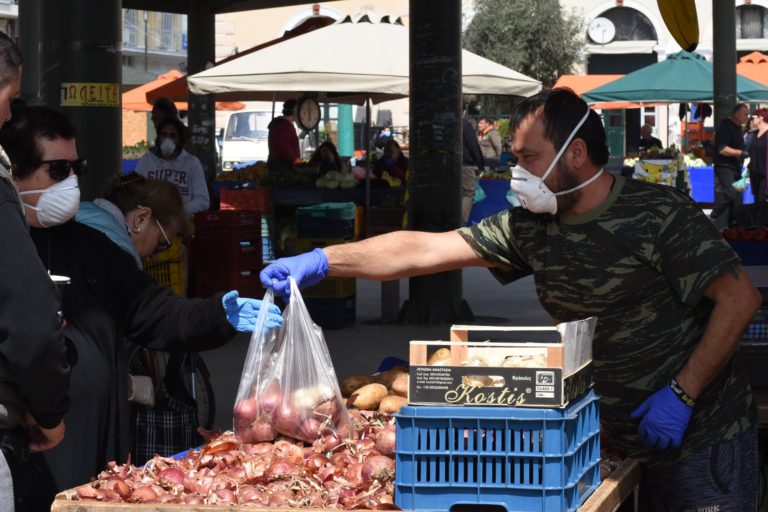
<point x="109" y="298"/>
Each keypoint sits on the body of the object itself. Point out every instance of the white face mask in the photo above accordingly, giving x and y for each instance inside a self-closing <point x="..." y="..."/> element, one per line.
<point x="58" y="203"/>
<point x="167" y="147"/>
<point x="534" y="195"/>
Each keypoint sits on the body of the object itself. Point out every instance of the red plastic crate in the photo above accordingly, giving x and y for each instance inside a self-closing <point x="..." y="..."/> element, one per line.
<point x="254" y="199"/>
<point x="210" y="281"/>
<point x="238" y="253"/>
<point x="206" y="222"/>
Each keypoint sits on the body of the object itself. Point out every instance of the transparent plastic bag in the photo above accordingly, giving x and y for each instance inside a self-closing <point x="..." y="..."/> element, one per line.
<point x="288" y="385"/>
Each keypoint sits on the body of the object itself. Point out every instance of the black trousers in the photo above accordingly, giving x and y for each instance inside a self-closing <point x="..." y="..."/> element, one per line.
<point x="729" y="197"/>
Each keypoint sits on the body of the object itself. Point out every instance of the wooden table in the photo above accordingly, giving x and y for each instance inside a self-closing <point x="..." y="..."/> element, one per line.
<point x="609" y="495"/>
<point x="612" y="492"/>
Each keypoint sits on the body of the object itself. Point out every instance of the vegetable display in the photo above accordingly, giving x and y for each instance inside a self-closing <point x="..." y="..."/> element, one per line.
<point x="352" y="473"/>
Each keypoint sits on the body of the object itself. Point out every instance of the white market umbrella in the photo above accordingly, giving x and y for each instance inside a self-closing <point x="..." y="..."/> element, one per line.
<point x="356" y="58"/>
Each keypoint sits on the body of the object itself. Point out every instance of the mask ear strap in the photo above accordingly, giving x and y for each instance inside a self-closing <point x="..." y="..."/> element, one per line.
<point x="565" y="144"/>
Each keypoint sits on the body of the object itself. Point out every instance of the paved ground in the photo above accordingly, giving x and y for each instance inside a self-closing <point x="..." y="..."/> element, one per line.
<point x="360" y="348"/>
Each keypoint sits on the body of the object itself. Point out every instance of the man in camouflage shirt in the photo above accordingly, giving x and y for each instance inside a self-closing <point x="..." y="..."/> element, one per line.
<point x="670" y="295"/>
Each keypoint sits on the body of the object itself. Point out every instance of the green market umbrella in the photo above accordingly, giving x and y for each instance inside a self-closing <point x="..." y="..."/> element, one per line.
<point x="683" y="77"/>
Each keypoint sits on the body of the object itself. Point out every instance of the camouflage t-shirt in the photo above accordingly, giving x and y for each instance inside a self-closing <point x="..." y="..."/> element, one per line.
<point x="641" y="262"/>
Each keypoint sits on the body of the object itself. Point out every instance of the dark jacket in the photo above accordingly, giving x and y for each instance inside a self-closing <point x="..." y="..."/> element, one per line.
<point x="34" y="370"/>
<point x="728" y="134"/>
<point x="472" y="155"/>
<point x="110" y="299"/>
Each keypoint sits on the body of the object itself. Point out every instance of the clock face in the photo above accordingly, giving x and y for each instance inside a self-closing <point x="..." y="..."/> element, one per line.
<point x="602" y="30"/>
<point x="309" y="113"/>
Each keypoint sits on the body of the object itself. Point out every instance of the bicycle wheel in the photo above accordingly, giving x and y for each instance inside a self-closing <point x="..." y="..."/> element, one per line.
<point x="199" y="385"/>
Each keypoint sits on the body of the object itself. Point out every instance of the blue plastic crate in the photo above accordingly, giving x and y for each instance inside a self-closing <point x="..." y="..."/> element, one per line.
<point x="523" y="459"/>
<point x="341" y="211"/>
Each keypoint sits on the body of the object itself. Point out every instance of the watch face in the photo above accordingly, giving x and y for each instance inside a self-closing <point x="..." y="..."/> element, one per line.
<point x="602" y="30"/>
<point x="309" y="114"/>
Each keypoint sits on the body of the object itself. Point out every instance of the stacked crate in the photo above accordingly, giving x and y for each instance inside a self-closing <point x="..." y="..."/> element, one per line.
<point x="332" y="302"/>
<point x="258" y="200"/>
<point x="168" y="267"/>
<point x="522" y="436"/>
<point x="227" y="253"/>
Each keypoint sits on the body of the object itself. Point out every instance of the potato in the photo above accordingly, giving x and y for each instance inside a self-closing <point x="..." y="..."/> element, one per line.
<point x="353" y="382"/>
<point x="390" y="404"/>
<point x="440" y="356"/>
<point x="368" y="397"/>
<point x="399" y="386"/>
<point x="388" y="377"/>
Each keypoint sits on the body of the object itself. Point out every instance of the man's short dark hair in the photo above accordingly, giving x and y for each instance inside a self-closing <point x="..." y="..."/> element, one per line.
<point x="167" y="106"/>
<point x="738" y="107"/>
<point x="19" y="135"/>
<point x="487" y="119"/>
<point x="288" y="107"/>
<point x="562" y="109"/>
<point x="10" y="60"/>
<point x="180" y="128"/>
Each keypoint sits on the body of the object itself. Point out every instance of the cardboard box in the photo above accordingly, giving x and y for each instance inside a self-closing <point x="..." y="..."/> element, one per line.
<point x="518" y="374"/>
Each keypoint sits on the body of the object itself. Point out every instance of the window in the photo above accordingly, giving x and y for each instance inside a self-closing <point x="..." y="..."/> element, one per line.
<point x="130" y="28"/>
<point x="631" y="25"/>
<point x="166" y="32"/>
<point x="751" y="22"/>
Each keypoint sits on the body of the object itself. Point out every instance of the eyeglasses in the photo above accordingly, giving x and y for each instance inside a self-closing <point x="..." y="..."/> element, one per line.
<point x="60" y="169"/>
<point x="162" y="246"/>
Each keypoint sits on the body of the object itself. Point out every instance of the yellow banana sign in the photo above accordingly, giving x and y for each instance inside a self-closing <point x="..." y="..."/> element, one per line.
<point x="681" y="20"/>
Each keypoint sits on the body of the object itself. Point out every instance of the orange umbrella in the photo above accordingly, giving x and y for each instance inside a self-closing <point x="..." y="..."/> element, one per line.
<point x="754" y="66"/>
<point x="585" y="83"/>
<point x="136" y="99"/>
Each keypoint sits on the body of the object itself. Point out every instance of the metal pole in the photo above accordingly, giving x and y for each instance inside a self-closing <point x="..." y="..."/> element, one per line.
<point x="80" y="74"/>
<point x="146" y="41"/>
<point x="367" y="138"/>
<point x="724" y="58"/>
<point x="29" y="43"/>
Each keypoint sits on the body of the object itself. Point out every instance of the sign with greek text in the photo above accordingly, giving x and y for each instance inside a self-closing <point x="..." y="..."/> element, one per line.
<point x="87" y="94"/>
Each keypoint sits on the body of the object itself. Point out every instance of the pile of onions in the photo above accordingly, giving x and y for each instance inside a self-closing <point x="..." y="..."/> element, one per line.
<point x="354" y="472"/>
<point x="305" y="414"/>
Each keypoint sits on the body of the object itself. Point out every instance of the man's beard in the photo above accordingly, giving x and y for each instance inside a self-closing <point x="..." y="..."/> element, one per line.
<point x="566" y="179"/>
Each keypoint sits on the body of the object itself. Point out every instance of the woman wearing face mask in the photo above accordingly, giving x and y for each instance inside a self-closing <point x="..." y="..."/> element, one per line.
<point x="108" y="299"/>
<point x="168" y="161"/>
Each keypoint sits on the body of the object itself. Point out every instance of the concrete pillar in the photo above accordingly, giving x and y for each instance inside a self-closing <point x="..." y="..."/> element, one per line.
<point x="80" y="74"/>
<point x="435" y="152"/>
<point x="724" y="58"/>
<point x="201" y="54"/>
<point x="29" y="43"/>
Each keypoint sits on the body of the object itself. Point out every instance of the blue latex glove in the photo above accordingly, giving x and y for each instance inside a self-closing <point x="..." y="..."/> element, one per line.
<point x="307" y="269"/>
<point x="242" y="313"/>
<point x="664" y="419"/>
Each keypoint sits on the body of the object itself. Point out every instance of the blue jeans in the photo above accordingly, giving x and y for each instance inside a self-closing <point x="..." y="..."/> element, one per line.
<point x="722" y="477"/>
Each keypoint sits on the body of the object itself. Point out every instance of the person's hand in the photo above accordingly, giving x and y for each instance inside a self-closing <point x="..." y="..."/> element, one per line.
<point x="242" y="312"/>
<point x="42" y="439"/>
<point x="307" y="269"/>
<point x="664" y="419"/>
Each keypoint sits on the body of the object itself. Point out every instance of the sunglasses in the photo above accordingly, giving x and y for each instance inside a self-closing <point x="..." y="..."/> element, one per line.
<point x="162" y="246"/>
<point x="59" y="169"/>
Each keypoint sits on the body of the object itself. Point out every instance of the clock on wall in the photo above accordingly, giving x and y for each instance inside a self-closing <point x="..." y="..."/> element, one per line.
<point x="308" y="115"/>
<point x="601" y="30"/>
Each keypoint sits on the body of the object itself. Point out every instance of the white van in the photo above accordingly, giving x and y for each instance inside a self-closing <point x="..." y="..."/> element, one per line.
<point x="245" y="138"/>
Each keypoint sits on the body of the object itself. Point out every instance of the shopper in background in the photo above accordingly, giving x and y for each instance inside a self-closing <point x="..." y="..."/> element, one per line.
<point x="647" y="140"/>
<point x="392" y="161"/>
<point x="162" y="108"/>
<point x="108" y="299"/>
<point x="328" y="157"/>
<point x="34" y="367"/>
<point x="169" y="161"/>
<point x="471" y="168"/>
<point x="729" y="154"/>
<point x="490" y="141"/>
<point x="283" y="140"/>
<point x="757" y="164"/>
<point x="670" y="295"/>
